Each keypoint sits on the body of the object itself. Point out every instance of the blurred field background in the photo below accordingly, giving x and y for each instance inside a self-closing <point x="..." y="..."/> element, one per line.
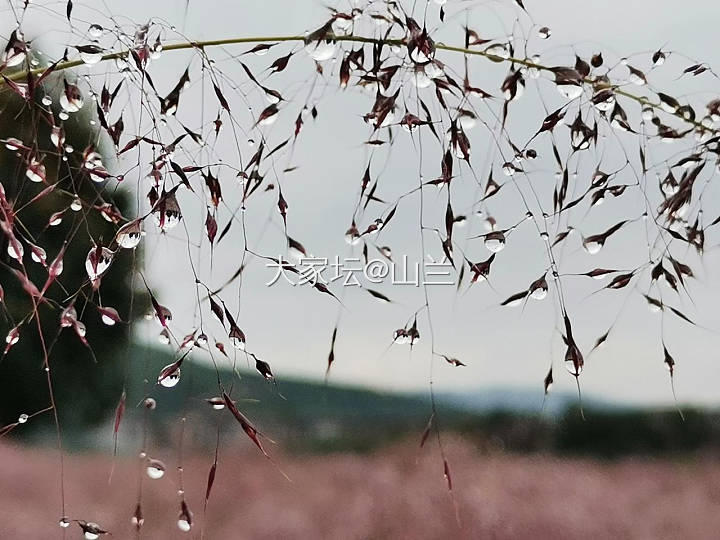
<point x="395" y="493"/>
<point x="357" y="470"/>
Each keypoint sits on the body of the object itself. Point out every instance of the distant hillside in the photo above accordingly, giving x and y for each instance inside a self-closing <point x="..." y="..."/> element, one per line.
<point x="306" y="416"/>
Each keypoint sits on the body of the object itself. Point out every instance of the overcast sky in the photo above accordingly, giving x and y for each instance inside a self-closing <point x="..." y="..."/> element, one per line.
<point x="291" y="327"/>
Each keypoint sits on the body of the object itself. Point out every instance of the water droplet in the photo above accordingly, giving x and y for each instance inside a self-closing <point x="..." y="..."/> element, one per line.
<point x="401" y="336"/>
<point x="413" y="336"/>
<point x="539" y="289"/>
<point x="47" y="101"/>
<point x="80" y="329"/>
<point x="420" y="55"/>
<point x="593" y="246"/>
<point x="37" y="254"/>
<point x="184" y="521"/>
<point x="16" y="250"/>
<point x="23" y="418"/>
<point x="238" y="342"/>
<point x="109" y="315"/>
<point x="13" y="144"/>
<point x="56" y="219"/>
<point x="71" y="100"/>
<point x="606" y="104"/>
<point x="92" y="55"/>
<point x="321" y="50"/>
<point x="98" y="261"/>
<point x="57" y="137"/>
<point x="352" y="236"/>
<point x="95" y="30"/>
<point x="168" y="215"/>
<point x="467" y="119"/>
<point x="92" y="160"/>
<point x="216" y="403"/>
<point x="150" y="404"/>
<point x="129" y="235"/>
<point x="570" y="91"/>
<point x="637" y="79"/>
<point x="92" y="530"/>
<point x="500" y="50"/>
<point x="509" y="169"/>
<point x="155" y="469"/>
<point x="341" y="26"/>
<point x="35" y="171"/>
<point x="137" y="519"/>
<point x="68" y="317"/>
<point x="544" y="32"/>
<point x="172" y="379"/>
<point x="64" y="522"/>
<point x="495" y="241"/>
<point x="164" y="337"/>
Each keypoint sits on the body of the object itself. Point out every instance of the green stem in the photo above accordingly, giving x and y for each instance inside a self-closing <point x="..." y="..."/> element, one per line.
<point x="22" y="75"/>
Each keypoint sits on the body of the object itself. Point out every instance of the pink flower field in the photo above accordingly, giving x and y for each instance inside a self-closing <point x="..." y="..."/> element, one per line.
<point x="397" y="493"/>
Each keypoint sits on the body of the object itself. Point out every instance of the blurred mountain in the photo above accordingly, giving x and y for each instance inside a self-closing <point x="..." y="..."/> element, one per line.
<point x="312" y="417"/>
<point x="523" y="401"/>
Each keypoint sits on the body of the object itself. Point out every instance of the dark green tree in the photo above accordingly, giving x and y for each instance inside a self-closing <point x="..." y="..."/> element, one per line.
<point x="87" y="378"/>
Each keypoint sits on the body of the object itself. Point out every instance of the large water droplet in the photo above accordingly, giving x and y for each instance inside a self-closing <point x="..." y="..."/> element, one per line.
<point x="155" y="469"/>
<point x="341" y="26"/>
<point x="238" y="342"/>
<point x="500" y="50"/>
<point x="168" y="215"/>
<point x="95" y="30"/>
<point x="184" y="521"/>
<point x="16" y="250"/>
<point x="35" y="171"/>
<point x="539" y="290"/>
<point x="592" y="246"/>
<point x="97" y="262"/>
<point x="321" y="50"/>
<point x="495" y="241"/>
<point x="544" y="32"/>
<point x="13" y="144"/>
<point x="170" y="380"/>
<point x="573" y="360"/>
<point x="129" y="235"/>
<point x="467" y="119"/>
<point x="570" y="91"/>
<point x="164" y="337"/>
<point x="38" y="255"/>
<point x="71" y="100"/>
<point x="91" y="54"/>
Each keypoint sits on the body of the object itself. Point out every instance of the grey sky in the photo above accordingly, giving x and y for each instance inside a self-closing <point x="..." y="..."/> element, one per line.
<point x="291" y="328"/>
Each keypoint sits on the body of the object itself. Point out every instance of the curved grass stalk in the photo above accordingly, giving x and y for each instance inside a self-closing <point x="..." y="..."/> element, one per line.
<point x="69" y="64"/>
